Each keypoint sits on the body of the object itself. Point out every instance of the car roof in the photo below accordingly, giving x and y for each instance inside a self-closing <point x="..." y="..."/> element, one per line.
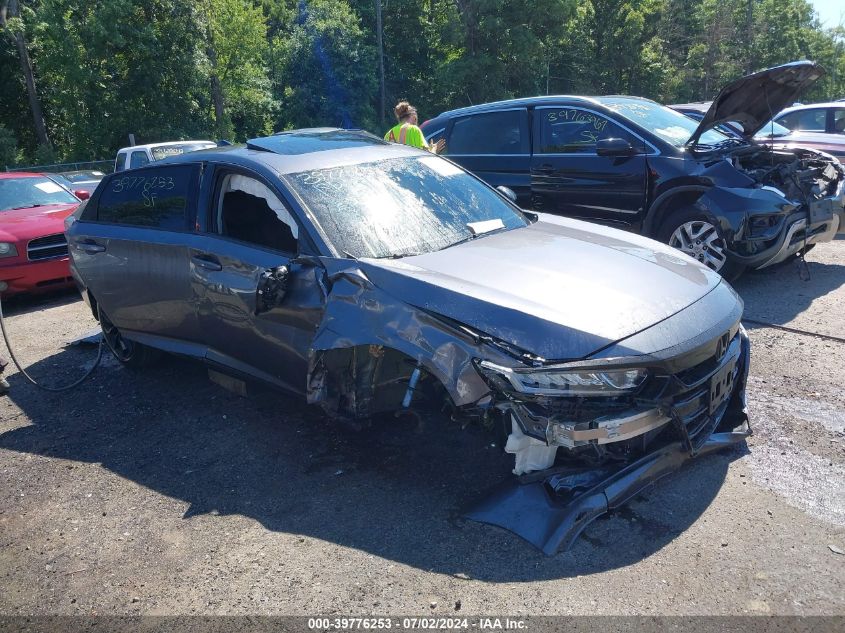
<point x="20" y="174"/>
<point x="696" y="106"/>
<point x="304" y="150"/>
<point x="533" y="101"/>
<point x="154" y="145"/>
<point x="812" y="106"/>
<point x="82" y="172"/>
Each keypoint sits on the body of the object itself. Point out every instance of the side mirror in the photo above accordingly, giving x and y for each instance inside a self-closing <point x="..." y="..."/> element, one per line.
<point x="614" y="147"/>
<point x="507" y="192"/>
<point x="272" y="286"/>
<point x="81" y="194"/>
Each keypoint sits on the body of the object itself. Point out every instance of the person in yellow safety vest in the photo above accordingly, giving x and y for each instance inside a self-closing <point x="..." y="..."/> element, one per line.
<point x="406" y="131"/>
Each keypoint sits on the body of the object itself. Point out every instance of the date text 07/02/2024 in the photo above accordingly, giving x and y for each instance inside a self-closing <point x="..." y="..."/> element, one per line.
<point x="410" y="623"/>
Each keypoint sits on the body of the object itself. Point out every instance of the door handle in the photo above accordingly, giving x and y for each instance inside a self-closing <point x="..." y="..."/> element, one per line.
<point x="90" y="247"/>
<point x="207" y="262"/>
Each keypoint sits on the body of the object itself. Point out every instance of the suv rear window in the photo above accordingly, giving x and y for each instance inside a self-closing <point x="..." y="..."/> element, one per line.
<point x="156" y="197"/>
<point x="490" y="133"/>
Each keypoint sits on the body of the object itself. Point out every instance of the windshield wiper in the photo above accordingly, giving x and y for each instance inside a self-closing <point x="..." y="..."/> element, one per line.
<point x="26" y="206"/>
<point x="400" y="255"/>
<point x="474" y="236"/>
<point x="731" y="141"/>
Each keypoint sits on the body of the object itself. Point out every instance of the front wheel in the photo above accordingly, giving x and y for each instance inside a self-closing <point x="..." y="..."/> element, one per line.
<point x="129" y="353"/>
<point x="694" y="234"/>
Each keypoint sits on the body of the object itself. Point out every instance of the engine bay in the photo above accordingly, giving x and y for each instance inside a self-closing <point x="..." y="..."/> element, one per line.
<point x="802" y="175"/>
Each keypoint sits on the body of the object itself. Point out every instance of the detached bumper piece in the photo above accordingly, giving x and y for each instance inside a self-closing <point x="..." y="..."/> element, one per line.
<point x="551" y="512"/>
<point x="798" y="235"/>
<point x="551" y="508"/>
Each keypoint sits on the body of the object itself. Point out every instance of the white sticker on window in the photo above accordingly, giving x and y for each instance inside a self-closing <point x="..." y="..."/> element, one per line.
<point x="48" y="187"/>
<point x="440" y="166"/>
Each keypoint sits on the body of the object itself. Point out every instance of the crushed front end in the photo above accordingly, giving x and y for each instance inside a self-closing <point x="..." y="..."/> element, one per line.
<point x="607" y="416"/>
<point x="797" y="200"/>
<point x="580" y="454"/>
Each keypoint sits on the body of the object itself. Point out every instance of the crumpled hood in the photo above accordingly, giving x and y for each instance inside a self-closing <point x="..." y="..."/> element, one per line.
<point x="559" y="288"/>
<point x="755" y="99"/>
<point x="26" y="224"/>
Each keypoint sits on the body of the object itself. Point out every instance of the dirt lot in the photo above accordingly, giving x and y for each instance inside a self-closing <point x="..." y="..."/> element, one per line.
<point x="161" y="493"/>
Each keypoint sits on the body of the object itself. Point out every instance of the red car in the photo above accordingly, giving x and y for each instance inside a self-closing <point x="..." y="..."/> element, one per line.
<point x="33" y="250"/>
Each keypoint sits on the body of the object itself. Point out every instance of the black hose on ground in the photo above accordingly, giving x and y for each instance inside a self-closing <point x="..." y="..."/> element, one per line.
<point x="30" y="378"/>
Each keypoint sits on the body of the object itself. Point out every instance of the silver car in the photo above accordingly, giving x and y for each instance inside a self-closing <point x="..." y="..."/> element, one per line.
<point x="371" y="277"/>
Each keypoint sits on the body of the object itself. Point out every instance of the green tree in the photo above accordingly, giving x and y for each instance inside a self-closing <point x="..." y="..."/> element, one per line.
<point x="126" y="66"/>
<point x="237" y="50"/>
<point x="172" y="69"/>
<point x="325" y="72"/>
<point x="8" y="147"/>
<point x="13" y="27"/>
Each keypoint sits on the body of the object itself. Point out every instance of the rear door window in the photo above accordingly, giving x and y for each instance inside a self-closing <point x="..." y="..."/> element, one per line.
<point x="138" y="159"/>
<point x="812" y="120"/>
<point x="493" y="133"/>
<point x="159" y="197"/>
<point x="575" y="131"/>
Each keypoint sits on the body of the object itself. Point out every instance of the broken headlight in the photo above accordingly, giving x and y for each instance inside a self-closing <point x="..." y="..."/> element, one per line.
<point x="550" y="382"/>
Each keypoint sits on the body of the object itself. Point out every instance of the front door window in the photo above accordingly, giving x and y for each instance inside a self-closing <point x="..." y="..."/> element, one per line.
<point x="248" y="211"/>
<point x="575" y="131"/>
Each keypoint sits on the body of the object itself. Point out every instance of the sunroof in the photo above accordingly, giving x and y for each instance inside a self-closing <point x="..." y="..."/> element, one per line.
<point x="306" y="141"/>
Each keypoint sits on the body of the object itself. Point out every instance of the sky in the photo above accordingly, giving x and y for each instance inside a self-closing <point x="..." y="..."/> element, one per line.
<point x="830" y="11"/>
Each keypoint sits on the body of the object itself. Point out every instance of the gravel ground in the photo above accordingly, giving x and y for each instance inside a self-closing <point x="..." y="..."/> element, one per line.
<point x="161" y="493"/>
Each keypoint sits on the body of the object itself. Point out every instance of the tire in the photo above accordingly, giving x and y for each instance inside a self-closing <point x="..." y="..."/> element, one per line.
<point x="129" y="353"/>
<point x="695" y="234"/>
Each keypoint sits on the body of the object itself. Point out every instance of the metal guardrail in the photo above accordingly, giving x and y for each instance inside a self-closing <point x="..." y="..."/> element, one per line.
<point x="106" y="166"/>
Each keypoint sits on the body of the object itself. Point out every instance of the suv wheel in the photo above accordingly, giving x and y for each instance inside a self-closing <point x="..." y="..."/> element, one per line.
<point x="697" y="236"/>
<point x="129" y="353"/>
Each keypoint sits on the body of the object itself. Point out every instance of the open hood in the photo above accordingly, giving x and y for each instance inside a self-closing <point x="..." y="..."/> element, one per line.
<point x="753" y="100"/>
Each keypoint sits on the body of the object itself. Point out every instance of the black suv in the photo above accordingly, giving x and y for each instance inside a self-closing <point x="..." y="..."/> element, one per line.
<point x="728" y="202"/>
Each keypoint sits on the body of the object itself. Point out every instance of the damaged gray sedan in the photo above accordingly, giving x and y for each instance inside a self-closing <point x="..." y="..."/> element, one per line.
<point x="371" y="277"/>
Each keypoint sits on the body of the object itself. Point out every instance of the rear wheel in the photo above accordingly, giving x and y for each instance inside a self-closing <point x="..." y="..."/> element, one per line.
<point x="696" y="235"/>
<point x="132" y="354"/>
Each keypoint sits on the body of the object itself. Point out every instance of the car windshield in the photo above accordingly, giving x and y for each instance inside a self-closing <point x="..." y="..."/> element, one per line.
<point x="163" y="151"/>
<point x="673" y="127"/>
<point x="401" y="206"/>
<point x="61" y="180"/>
<point x="21" y="193"/>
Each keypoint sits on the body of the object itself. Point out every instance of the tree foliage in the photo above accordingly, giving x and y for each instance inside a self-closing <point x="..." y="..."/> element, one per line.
<point x="172" y="69"/>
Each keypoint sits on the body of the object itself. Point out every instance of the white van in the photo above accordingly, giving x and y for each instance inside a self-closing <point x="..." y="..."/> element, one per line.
<point x="140" y="155"/>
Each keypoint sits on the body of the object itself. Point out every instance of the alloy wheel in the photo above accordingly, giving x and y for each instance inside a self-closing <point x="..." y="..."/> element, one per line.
<point x="701" y="240"/>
